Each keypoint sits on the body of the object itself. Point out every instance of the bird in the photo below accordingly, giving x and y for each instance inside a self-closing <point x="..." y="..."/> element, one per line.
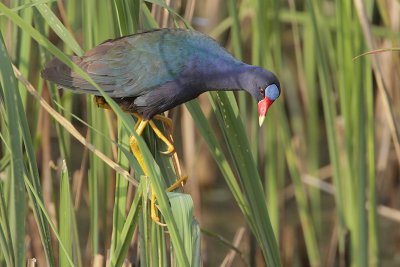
<point x="150" y="72"/>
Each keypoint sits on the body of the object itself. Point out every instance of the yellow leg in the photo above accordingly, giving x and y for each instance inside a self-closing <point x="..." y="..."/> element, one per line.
<point x="139" y="128"/>
<point x="153" y="211"/>
<point x="175" y="160"/>
<point x="168" y="123"/>
<point x="169" y="142"/>
<point x="139" y="120"/>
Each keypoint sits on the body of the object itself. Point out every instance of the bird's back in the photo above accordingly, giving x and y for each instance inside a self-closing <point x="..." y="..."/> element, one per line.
<point x="133" y="65"/>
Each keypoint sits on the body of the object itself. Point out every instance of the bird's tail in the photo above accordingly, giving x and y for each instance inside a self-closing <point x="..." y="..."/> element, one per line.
<point x="59" y="73"/>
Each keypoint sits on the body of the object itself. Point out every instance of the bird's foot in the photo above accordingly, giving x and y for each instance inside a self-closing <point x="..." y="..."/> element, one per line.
<point x="153" y="208"/>
<point x="170" y="147"/>
<point x="171" y="150"/>
<point x="101" y="102"/>
<point x="168" y="125"/>
<point x="139" y="128"/>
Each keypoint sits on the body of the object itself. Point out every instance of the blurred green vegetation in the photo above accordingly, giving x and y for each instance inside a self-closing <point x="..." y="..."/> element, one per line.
<point x="316" y="186"/>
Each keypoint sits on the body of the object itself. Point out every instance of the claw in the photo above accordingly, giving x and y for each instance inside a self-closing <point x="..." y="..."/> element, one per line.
<point x="170" y="150"/>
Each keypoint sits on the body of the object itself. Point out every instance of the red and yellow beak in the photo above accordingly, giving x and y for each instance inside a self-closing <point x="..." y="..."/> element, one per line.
<point x="263" y="107"/>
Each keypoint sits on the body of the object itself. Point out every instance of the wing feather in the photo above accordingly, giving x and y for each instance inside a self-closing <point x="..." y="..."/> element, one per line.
<point x="125" y="67"/>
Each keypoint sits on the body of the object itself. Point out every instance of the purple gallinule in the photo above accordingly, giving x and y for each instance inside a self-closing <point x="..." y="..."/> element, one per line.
<point x="150" y="72"/>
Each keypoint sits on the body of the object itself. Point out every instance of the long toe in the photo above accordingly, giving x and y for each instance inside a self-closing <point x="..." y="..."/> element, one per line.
<point x="178" y="183"/>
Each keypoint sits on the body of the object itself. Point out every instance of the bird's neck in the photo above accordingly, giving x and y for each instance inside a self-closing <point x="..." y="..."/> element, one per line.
<point x="233" y="78"/>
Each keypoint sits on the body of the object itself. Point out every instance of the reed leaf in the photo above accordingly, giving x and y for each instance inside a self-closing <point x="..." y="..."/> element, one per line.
<point x="16" y="204"/>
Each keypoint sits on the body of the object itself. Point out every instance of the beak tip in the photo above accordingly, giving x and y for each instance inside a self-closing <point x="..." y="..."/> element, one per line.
<point x="261" y="120"/>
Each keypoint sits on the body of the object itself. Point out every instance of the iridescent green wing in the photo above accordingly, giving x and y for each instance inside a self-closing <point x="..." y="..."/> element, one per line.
<point x="133" y="65"/>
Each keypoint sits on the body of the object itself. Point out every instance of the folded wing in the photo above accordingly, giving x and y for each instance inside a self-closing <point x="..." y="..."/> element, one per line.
<point x="125" y="67"/>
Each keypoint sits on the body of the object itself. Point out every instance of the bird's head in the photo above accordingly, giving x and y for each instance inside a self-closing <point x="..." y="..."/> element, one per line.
<point x="270" y="93"/>
<point x="267" y="90"/>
